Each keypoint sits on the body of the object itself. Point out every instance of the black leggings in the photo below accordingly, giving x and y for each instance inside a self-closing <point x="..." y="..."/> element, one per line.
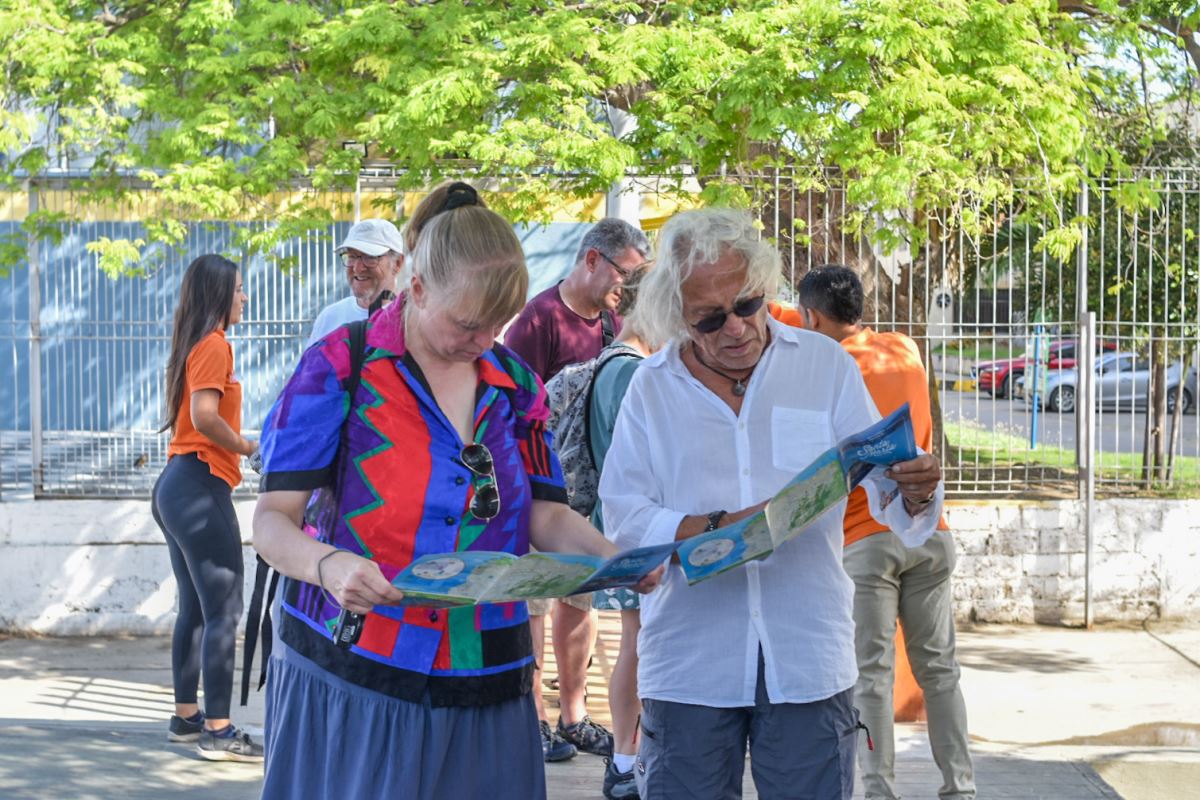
<point x="194" y="508"/>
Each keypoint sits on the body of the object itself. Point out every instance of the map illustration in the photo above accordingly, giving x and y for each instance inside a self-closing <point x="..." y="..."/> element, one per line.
<point x="715" y="552"/>
<point x="819" y="487"/>
<point x="477" y="576"/>
<point x="439" y="569"/>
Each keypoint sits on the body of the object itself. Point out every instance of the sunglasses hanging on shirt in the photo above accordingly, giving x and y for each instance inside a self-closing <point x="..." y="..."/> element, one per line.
<point x="485" y="503"/>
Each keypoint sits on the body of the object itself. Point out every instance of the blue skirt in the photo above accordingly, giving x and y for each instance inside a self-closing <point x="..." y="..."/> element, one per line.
<point x="328" y="738"/>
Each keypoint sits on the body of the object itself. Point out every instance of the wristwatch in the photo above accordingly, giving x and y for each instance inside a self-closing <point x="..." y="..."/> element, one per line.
<point x="714" y="519"/>
<point x="925" y="502"/>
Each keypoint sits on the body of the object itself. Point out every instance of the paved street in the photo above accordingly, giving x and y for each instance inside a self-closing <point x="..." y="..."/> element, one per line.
<point x="80" y="463"/>
<point x="1054" y="713"/>
<point x="1116" y="432"/>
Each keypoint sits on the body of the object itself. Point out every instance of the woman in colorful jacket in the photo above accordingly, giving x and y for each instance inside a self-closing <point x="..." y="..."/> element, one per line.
<point x="445" y="450"/>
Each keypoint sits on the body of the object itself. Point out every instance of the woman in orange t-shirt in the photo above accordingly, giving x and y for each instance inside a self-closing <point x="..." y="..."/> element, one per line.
<point x="193" y="506"/>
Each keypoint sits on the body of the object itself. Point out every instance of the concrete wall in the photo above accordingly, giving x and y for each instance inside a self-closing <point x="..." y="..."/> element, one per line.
<point x="79" y="567"/>
<point x="75" y="567"/>
<point x="1025" y="561"/>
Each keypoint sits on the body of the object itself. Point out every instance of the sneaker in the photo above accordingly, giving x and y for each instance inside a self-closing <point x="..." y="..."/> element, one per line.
<point x="619" y="785"/>
<point x="237" y="747"/>
<point x="181" y="729"/>
<point x="588" y="736"/>
<point x="553" y="746"/>
<point x="185" y="730"/>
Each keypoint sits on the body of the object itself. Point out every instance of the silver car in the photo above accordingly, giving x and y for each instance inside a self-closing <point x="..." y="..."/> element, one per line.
<point x="1122" y="382"/>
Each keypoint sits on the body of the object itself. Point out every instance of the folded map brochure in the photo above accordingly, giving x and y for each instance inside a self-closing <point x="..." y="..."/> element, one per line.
<point x="480" y="576"/>
<point x="819" y="486"/>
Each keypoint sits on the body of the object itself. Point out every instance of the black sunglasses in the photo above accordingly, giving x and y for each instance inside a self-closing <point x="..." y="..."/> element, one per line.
<point x="743" y="308"/>
<point x="485" y="503"/>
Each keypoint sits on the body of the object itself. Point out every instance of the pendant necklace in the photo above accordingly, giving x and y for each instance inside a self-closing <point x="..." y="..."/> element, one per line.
<point x="739" y="384"/>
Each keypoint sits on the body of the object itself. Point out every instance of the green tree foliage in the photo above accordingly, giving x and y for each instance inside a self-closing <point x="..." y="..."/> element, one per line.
<point x="922" y="105"/>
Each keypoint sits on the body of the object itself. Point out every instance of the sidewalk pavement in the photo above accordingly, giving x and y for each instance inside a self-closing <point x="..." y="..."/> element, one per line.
<point x="1054" y="713"/>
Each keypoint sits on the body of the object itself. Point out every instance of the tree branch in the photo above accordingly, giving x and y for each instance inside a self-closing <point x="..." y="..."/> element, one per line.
<point x="1169" y="26"/>
<point x="114" y="22"/>
<point x="1186" y="35"/>
<point x="624" y="97"/>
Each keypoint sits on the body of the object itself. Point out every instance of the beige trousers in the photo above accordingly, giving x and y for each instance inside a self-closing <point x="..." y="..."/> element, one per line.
<point x="913" y="584"/>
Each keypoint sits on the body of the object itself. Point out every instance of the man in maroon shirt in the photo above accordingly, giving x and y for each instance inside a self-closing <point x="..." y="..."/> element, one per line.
<point x="568" y="323"/>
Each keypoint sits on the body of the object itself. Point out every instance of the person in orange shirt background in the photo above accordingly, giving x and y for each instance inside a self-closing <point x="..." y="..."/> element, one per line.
<point x="892" y="580"/>
<point x="906" y="694"/>
<point x="193" y="505"/>
<point x="786" y="314"/>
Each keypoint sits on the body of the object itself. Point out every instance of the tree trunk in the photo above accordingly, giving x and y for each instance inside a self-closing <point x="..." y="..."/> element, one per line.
<point x="1177" y="416"/>
<point x="1148" y="443"/>
<point x="1160" y="411"/>
<point x="1154" y="454"/>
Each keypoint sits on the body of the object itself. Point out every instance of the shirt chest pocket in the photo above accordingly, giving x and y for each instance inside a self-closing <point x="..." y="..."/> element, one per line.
<point x="798" y="435"/>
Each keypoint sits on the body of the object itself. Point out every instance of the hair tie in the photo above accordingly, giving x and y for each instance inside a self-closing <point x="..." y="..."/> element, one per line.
<point x="460" y="194"/>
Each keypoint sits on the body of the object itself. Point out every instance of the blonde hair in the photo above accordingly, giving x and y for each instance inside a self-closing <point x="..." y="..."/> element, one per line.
<point x="430" y="206"/>
<point x="471" y="254"/>
<point x="690" y="239"/>
<point x="635" y="326"/>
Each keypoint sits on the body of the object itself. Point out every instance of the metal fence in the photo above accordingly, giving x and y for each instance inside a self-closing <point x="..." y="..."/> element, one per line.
<point x="986" y="309"/>
<point x="81" y="356"/>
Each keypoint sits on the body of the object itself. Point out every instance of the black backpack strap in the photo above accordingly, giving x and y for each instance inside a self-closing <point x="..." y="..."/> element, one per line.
<point x="607" y="328"/>
<point x="357" y="342"/>
<point x="266" y="580"/>
<point x="255" y="619"/>
<point x="385" y="297"/>
<point x="268" y="631"/>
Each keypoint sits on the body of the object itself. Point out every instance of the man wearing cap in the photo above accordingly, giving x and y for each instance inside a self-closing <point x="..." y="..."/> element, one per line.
<point x="373" y="253"/>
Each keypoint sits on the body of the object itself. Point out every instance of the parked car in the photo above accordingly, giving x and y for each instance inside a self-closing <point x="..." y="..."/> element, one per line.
<point x="1122" y="382"/>
<point x="998" y="378"/>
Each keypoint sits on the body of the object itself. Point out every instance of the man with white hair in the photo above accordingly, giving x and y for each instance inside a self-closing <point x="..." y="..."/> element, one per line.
<point x="372" y="253"/>
<point x="712" y="426"/>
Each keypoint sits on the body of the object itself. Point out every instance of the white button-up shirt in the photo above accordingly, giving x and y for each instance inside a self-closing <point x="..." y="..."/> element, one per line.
<point x="677" y="450"/>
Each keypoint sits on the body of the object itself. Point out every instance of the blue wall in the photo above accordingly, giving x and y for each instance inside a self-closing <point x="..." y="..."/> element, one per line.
<point x="105" y="341"/>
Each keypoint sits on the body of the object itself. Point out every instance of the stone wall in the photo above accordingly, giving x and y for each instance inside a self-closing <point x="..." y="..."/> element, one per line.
<point x="76" y="567"/>
<point x="81" y="567"/>
<point x="1025" y="561"/>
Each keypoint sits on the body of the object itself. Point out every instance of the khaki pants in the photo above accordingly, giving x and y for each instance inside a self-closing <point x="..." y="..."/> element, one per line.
<point x="893" y="581"/>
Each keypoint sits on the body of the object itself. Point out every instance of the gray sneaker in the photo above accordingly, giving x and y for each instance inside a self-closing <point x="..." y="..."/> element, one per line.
<point x="588" y="736"/>
<point x="619" y="785"/>
<point x="184" y="730"/>
<point x="238" y="747"/>
<point x="553" y="746"/>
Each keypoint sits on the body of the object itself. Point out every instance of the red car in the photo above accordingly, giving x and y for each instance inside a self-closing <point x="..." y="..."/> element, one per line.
<point x="998" y="377"/>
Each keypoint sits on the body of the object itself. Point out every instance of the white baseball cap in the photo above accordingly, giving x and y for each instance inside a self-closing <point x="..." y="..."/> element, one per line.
<point x="373" y="237"/>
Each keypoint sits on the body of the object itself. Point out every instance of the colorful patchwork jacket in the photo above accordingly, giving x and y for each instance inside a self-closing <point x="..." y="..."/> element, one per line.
<point x="403" y="493"/>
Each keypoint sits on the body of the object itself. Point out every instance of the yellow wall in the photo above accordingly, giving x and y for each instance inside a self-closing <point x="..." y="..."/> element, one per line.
<point x="14" y="206"/>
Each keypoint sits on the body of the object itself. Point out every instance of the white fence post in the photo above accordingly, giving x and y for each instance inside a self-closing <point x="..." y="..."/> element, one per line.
<point x="1085" y="396"/>
<point x="35" y="345"/>
<point x="1085" y="418"/>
